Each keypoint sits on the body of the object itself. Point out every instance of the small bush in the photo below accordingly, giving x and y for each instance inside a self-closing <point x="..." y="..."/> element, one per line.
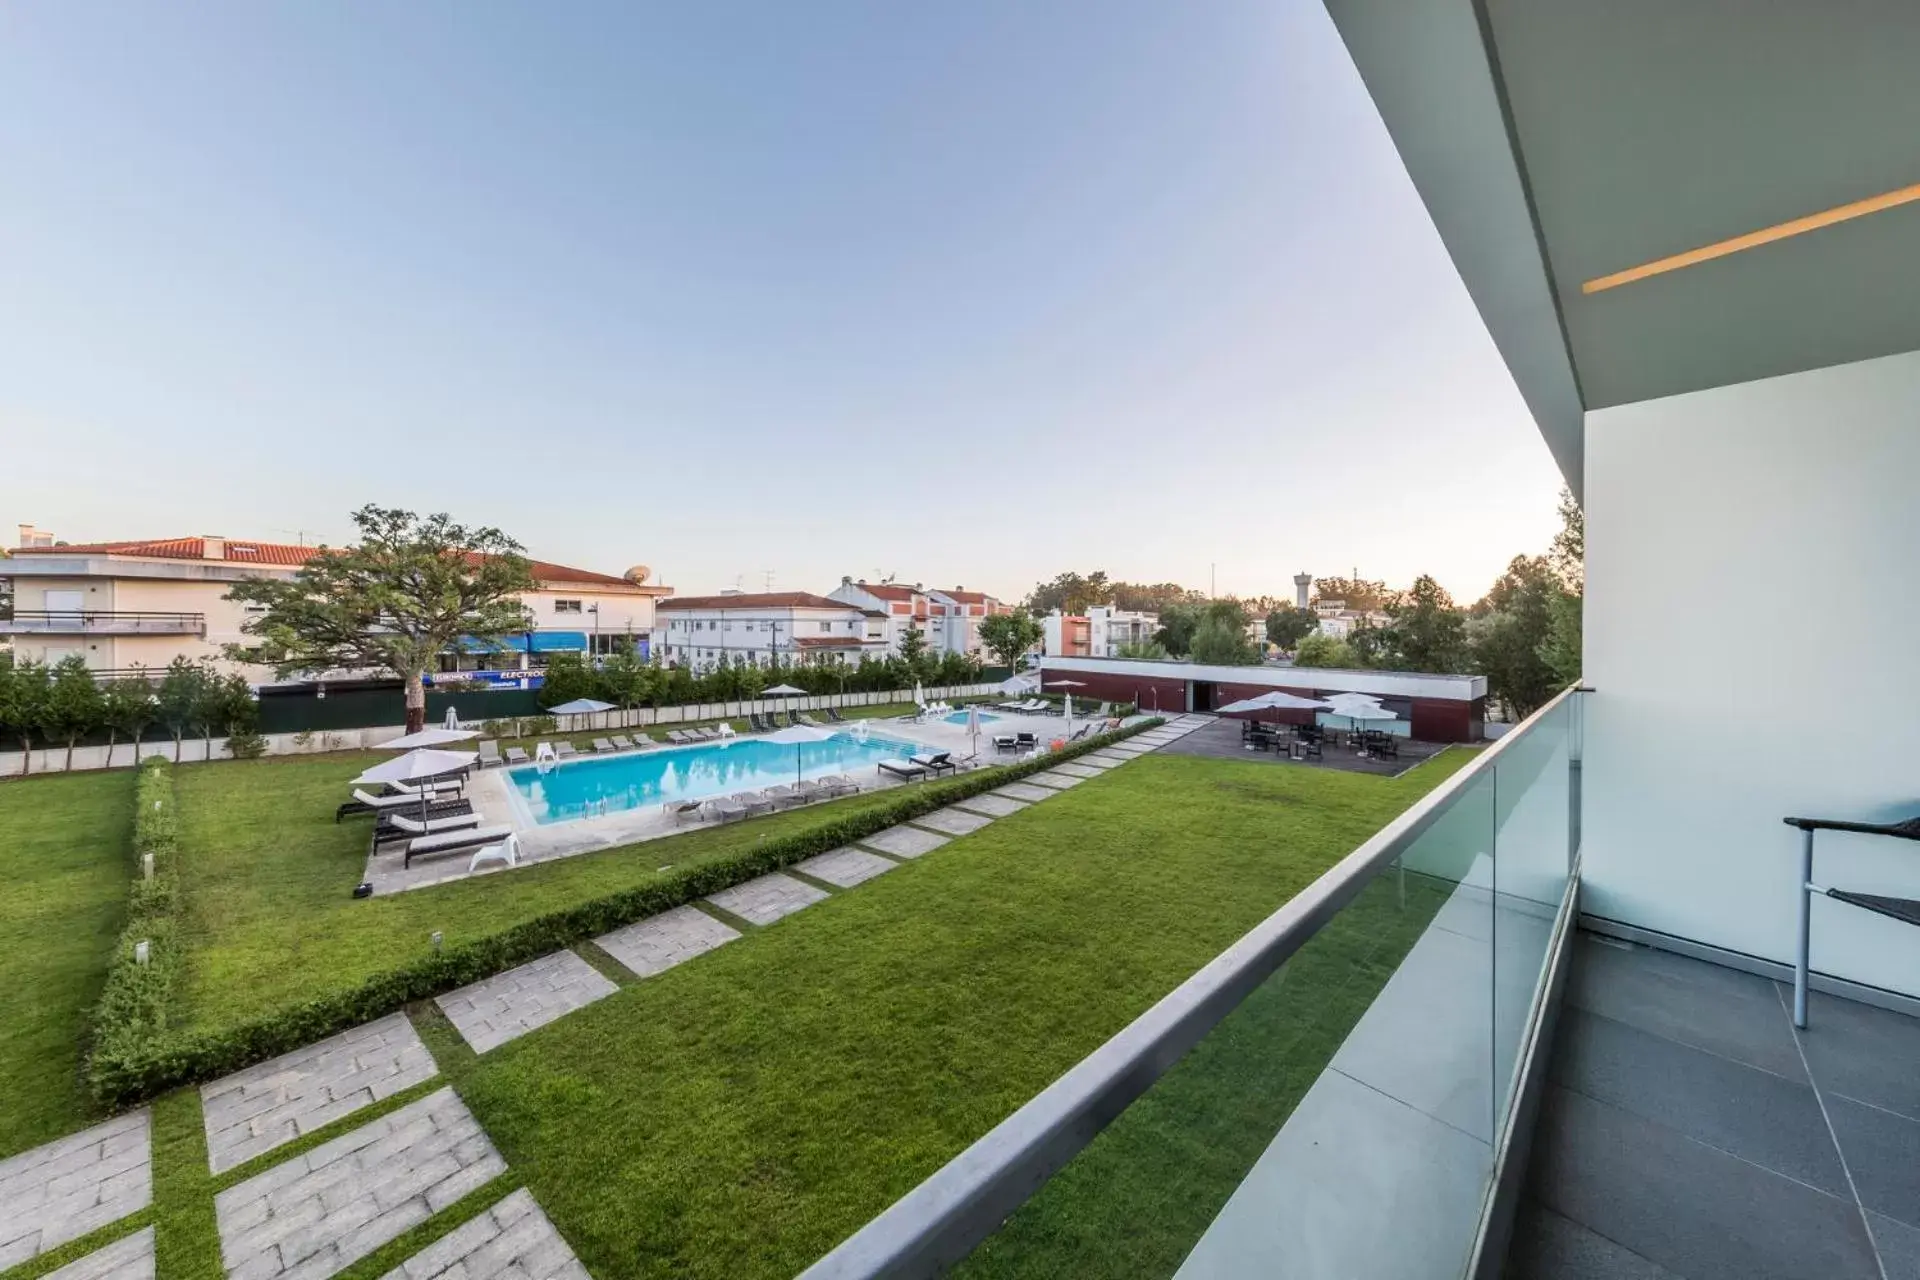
<point x="136" y="1005"/>
<point x="246" y="744"/>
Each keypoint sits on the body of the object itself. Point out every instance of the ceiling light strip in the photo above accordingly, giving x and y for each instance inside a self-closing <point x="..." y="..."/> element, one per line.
<point x="1766" y="235"/>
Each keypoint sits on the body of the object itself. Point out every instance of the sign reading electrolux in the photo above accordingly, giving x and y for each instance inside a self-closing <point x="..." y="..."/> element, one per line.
<point x="492" y="679"/>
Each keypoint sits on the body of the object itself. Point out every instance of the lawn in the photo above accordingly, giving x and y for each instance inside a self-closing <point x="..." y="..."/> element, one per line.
<point x="65" y="861"/>
<point x="741" y="1114"/>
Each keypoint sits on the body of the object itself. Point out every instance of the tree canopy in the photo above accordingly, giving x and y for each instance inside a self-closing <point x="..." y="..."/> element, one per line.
<point x="1288" y="625"/>
<point x="1008" y="635"/>
<point x="411" y="589"/>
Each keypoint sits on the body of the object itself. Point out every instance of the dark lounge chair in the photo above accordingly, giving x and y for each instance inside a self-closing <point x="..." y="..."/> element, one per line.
<point x="904" y="770"/>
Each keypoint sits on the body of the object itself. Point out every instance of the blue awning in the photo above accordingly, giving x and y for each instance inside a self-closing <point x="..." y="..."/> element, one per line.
<point x="506" y="644"/>
<point x="559" y="641"/>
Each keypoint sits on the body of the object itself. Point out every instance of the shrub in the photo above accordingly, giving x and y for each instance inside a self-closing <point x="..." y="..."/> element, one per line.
<point x="134" y="1058"/>
<point x="246" y="744"/>
<point x="136" y="1003"/>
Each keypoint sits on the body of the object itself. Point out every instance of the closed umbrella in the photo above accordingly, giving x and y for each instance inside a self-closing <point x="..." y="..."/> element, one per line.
<point x="799" y="735"/>
<point x="973" y="725"/>
<point x="453" y="719"/>
<point x="1069" y="686"/>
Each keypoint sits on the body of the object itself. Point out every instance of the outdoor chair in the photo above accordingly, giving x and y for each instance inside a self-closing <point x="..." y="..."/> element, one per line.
<point x="755" y="803"/>
<point x="1004" y="742"/>
<point x="784" y="795"/>
<point x="1026" y="740"/>
<point x="902" y="770"/>
<point x="621" y="742"/>
<point x="834" y="715"/>
<point x="936" y="764"/>
<point x="1081" y="732"/>
<point x="1903" y="910"/>
<point x="452" y="842"/>
<point x="395" y="827"/>
<point x="562" y="750"/>
<point x="839" y="784"/>
<point x="444" y="782"/>
<point x="603" y="746"/>
<point x="793" y="719"/>
<point x="362" y="802"/>
<point x="490" y="754"/>
<point x="643" y="740"/>
<point x="729" y="809"/>
<point x="677" y="736"/>
<point x="807" y="719"/>
<point x="753" y="718"/>
<point x="517" y="755"/>
<point x="507" y="851"/>
<point x="684" y="810"/>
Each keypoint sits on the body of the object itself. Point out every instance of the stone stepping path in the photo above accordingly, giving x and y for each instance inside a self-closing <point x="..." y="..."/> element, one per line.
<point x="264" y="1106"/>
<point x="320" y="1212"/>
<point x="658" y="943"/>
<point x="994" y="805"/>
<point x="768" y="898"/>
<point x="1108" y="756"/>
<point x="846" y="867"/>
<point x="63" y="1190"/>
<point x="128" y="1258"/>
<point x="957" y="821"/>
<point x="905" y="842"/>
<point x="508" y="1005"/>
<point x="1057" y="780"/>
<point x="1022" y="791"/>
<point x="514" y="1240"/>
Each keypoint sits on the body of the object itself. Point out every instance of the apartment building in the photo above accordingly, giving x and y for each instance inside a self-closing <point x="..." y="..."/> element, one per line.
<point x="957" y="615"/>
<point x="1101" y="632"/>
<point x="140" y="604"/>
<point x="795" y="628"/>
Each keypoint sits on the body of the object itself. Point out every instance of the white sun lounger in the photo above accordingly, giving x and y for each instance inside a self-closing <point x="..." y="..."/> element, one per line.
<point x="453" y="841"/>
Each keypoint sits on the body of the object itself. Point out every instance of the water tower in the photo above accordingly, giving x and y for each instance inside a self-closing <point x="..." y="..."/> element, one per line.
<point x="1302" y="583"/>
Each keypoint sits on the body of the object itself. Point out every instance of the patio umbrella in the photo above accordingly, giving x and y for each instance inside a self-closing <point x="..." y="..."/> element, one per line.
<point x="418" y="765"/>
<point x="580" y="707"/>
<point x="1014" y="685"/>
<point x="782" y="691"/>
<point x="427" y="738"/>
<point x="799" y="735"/>
<point x="1273" y="700"/>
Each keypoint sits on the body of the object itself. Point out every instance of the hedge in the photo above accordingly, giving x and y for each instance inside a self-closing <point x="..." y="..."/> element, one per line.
<point x="136" y="1003"/>
<point x="134" y="1057"/>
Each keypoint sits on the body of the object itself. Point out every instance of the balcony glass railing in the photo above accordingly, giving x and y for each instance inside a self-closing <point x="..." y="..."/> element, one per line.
<point x="1328" y="1097"/>
<point x="101" y="622"/>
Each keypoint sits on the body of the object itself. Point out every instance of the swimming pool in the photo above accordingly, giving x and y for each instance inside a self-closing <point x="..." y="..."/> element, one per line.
<point x="638" y="779"/>
<point x="960" y="717"/>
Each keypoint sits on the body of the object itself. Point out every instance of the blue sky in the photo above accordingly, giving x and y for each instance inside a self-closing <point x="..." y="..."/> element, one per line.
<point x="971" y="293"/>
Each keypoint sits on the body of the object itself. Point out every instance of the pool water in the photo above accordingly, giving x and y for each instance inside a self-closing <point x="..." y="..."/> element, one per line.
<point x="639" y="779"/>
<point x="960" y="717"/>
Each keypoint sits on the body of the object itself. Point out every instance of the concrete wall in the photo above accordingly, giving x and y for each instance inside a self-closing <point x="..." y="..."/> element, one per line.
<point x="1751" y="627"/>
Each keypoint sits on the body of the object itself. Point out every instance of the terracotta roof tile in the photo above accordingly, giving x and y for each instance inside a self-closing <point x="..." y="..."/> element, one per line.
<point x="888" y="590"/>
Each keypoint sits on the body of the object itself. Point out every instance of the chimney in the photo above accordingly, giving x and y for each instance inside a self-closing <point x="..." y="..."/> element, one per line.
<point x="846" y="579"/>
<point x="32" y="537"/>
<point x="213" y="547"/>
<point x="1302" y="582"/>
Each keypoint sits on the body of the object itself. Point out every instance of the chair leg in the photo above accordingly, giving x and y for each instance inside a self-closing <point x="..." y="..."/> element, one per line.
<point x="1804" y="956"/>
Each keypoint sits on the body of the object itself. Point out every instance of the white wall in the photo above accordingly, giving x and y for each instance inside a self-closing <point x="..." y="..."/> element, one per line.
<point x="1751" y="555"/>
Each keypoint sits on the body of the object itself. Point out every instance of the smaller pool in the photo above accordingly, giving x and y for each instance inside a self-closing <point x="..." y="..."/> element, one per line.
<point x="960" y="717"/>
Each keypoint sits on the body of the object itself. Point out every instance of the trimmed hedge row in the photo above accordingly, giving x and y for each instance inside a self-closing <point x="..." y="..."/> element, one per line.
<point x="139" y="1060"/>
<point x="137" y="1001"/>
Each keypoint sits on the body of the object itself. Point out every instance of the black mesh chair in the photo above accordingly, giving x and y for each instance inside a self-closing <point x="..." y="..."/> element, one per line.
<point x="1905" y="910"/>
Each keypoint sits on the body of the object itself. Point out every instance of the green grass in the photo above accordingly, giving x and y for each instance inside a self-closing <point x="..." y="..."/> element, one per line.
<point x="65" y="862"/>
<point x="270" y="919"/>
<point x="741" y="1114"/>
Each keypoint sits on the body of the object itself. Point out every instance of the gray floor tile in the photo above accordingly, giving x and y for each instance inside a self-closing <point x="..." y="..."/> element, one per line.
<point x="1883" y="1151"/>
<point x="128" y="1258"/>
<point x="74" y="1185"/>
<point x="1025" y="792"/>
<point x="992" y="805"/>
<point x="953" y="821"/>
<point x="1723" y="1011"/>
<point x="1866" y="1053"/>
<point x="513" y="1240"/>
<point x="767" y="898"/>
<point x="1691" y="1208"/>
<point x="1547" y="1246"/>
<point x="904" y="841"/>
<point x="846" y="867"/>
<point x="1899" y="1246"/>
<point x="508" y="1005"/>
<point x="660" y="942"/>
<point x="1754" y="1114"/>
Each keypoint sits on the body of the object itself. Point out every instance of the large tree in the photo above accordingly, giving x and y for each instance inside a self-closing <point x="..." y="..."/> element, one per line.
<point x="406" y="593"/>
<point x="1355" y="593"/>
<point x="73" y="707"/>
<point x="1008" y="635"/>
<point x="1429" y="632"/>
<point x="1510" y="632"/>
<point x="1322" y="650"/>
<point x="1288" y="625"/>
<point x="23" y="695"/>
<point x="1071" y="593"/>
<point x="1218" y="642"/>
<point x="913" y="653"/>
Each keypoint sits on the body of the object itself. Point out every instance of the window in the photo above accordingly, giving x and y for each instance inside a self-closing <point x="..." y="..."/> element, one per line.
<point x="728" y="626"/>
<point x="566" y="606"/>
<point x="826" y="627"/>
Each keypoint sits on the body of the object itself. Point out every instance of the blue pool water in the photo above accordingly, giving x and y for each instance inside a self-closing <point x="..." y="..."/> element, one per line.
<point x="960" y="717"/>
<point x="639" y="779"/>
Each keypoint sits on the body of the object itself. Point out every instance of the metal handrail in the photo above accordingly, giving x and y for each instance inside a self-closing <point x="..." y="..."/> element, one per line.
<point x="104" y="613"/>
<point x="940" y="1221"/>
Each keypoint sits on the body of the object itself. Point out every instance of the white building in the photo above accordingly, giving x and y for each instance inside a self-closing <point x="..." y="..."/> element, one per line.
<point x="793" y="628"/>
<point x="1098" y="633"/>
<point x="1339" y="622"/>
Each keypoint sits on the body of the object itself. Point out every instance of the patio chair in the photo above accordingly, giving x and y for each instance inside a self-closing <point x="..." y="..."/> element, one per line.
<point x="793" y="718"/>
<point x="507" y="851"/>
<point x="728" y="809"/>
<point x="621" y="742"/>
<point x="811" y="789"/>
<point x="807" y="719"/>
<point x="902" y="770"/>
<point x="1080" y="733"/>
<point x="753" y="718"/>
<point x="490" y="755"/>
<point x="642" y="741"/>
<point x="452" y="842"/>
<point x="603" y="747"/>
<point x="517" y="755"/>
<point x="936" y="764"/>
<point x="444" y="782"/>
<point x="786" y="796"/>
<point x="363" y="802"/>
<point x="968" y="763"/>
<point x="834" y="715"/>
<point x="839" y="784"/>
<point x="684" y="810"/>
<point x="1903" y="910"/>
<point x="678" y="736"/>
<point x="1004" y="742"/>
<point x="756" y="803"/>
<point x="1026" y="740"/>
<point x="394" y="827"/>
<point x="563" y="750"/>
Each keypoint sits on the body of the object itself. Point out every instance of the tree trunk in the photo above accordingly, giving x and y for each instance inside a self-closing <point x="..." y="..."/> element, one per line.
<point x="416" y="702"/>
<point x="69" y="768"/>
<point x="26" y="755"/>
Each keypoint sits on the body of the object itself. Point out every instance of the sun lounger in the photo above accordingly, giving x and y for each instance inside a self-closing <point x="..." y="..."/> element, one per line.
<point x="1081" y="732"/>
<point x="677" y="736"/>
<point x="902" y="770"/>
<point x="642" y="741"/>
<point x="1025" y="740"/>
<point x="936" y="764"/>
<point x="728" y="809"/>
<point x="839" y="784"/>
<point x="517" y="755"/>
<point x="1005" y="742"/>
<point x="684" y="810"/>
<point x="445" y="782"/>
<point x="507" y="851"/>
<point x="603" y="747"/>
<point x="787" y="797"/>
<point x="834" y="715"/>
<point x="807" y="719"/>
<point x="452" y="842"/>
<point x="394" y="827"/>
<point x="793" y="718"/>
<point x="811" y="790"/>
<point x="562" y="750"/>
<point x="363" y="802"/>
<point x="621" y="742"/>
<point x="490" y="755"/>
<point x="755" y="803"/>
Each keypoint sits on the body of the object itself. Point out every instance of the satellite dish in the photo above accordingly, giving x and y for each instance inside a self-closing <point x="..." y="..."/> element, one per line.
<point x="638" y="574"/>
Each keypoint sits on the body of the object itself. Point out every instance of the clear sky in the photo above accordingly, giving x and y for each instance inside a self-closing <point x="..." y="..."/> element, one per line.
<point x="972" y="293"/>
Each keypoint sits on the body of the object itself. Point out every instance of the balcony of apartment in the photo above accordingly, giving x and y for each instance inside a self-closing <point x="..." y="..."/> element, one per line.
<point x="90" y="622"/>
<point x="1431" y="1063"/>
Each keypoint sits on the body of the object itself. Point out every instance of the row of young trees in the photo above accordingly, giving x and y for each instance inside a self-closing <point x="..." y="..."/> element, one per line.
<point x="628" y="680"/>
<point x="63" y="705"/>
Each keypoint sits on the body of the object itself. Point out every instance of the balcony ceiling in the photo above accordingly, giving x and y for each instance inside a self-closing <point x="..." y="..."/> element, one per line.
<point x="1558" y="141"/>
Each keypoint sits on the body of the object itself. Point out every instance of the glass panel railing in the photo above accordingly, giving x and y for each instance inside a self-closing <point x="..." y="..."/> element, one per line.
<point x="1332" y="1091"/>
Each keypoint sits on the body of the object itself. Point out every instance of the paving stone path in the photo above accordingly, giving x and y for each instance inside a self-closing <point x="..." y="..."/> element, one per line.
<point x="1023" y="791"/>
<point x="514" y="1240"/>
<point x="660" y="942"/>
<point x="767" y="898"/>
<point x="905" y="842"/>
<point x="1057" y="780"/>
<point x="260" y="1108"/>
<point x="61" y="1191"/>
<point x="956" y="821"/>
<point x="128" y="1258"/>
<point x="996" y="806"/>
<point x="847" y="867"/>
<point x="320" y="1212"/>
<point x="508" y="1005"/>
